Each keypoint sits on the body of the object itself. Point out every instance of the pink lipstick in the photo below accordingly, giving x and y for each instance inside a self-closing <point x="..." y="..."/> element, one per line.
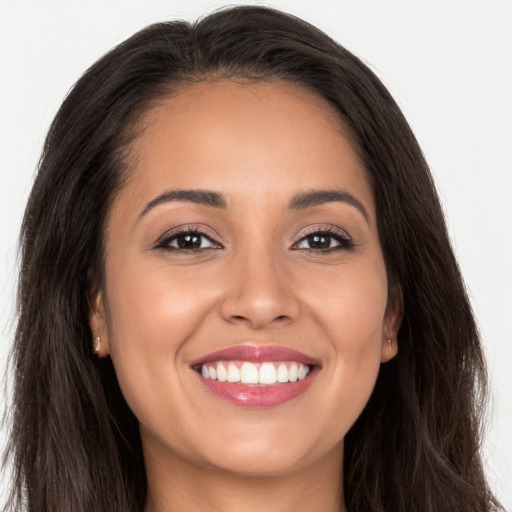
<point x="255" y="376"/>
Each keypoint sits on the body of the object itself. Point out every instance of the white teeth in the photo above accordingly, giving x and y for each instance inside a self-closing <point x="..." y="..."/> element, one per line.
<point x="233" y="373"/>
<point x="293" y="372"/>
<point x="249" y="374"/>
<point x="222" y="374"/>
<point x="268" y="374"/>
<point x="282" y="373"/>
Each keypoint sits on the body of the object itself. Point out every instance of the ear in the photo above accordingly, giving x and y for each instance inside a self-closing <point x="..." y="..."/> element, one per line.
<point x="98" y="324"/>
<point x="391" y="325"/>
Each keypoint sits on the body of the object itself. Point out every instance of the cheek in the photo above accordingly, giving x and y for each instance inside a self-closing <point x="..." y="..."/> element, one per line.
<point x="350" y="306"/>
<point x="350" y="302"/>
<point x="152" y="306"/>
<point x="151" y="313"/>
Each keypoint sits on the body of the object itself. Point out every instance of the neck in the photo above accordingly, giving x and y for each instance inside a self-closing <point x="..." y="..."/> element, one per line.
<point x="177" y="485"/>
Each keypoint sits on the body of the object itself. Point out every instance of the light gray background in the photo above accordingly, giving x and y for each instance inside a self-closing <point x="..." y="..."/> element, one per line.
<point x="447" y="63"/>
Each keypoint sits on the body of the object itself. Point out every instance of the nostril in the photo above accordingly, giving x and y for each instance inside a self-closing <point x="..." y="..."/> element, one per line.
<point x="258" y="311"/>
<point x="241" y="318"/>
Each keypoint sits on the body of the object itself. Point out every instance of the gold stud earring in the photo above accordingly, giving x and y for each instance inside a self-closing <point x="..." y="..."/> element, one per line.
<point x="96" y="344"/>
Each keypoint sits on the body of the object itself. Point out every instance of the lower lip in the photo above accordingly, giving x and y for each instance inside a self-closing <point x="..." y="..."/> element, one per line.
<point x="258" y="396"/>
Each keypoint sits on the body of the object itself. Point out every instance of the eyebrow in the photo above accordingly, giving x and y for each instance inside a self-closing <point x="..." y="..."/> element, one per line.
<point x="317" y="197"/>
<point x="299" y="201"/>
<point x="203" y="197"/>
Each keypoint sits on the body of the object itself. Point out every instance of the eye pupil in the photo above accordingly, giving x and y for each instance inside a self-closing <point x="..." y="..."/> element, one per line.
<point x="319" y="241"/>
<point x="189" y="241"/>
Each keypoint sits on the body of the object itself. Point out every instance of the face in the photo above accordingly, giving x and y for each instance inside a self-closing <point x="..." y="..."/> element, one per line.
<point x="245" y="303"/>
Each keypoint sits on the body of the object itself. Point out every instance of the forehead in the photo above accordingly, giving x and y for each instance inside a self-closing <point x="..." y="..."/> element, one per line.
<point x="245" y="137"/>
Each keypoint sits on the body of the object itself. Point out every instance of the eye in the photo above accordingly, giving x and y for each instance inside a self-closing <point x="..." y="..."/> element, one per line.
<point x="325" y="240"/>
<point x="187" y="240"/>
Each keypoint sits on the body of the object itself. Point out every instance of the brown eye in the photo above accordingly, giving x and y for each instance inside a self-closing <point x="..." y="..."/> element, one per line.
<point x="188" y="241"/>
<point x="319" y="241"/>
<point x="324" y="241"/>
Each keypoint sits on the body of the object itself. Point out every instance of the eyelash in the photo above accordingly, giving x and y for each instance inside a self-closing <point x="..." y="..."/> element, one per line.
<point x="168" y="238"/>
<point x="344" y="241"/>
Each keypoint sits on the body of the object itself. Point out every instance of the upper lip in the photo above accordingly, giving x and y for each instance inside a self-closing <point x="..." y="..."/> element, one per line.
<point x="257" y="354"/>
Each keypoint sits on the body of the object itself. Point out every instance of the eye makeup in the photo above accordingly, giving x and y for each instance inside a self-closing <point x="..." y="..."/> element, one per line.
<point x="187" y="239"/>
<point x="324" y="239"/>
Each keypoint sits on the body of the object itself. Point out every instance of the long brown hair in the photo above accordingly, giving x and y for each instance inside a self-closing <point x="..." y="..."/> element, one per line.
<point x="74" y="443"/>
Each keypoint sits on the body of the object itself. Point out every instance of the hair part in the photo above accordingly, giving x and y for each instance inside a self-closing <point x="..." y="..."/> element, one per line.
<point x="74" y="442"/>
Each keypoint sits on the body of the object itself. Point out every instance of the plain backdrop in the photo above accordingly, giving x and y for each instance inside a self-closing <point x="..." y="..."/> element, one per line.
<point x="447" y="63"/>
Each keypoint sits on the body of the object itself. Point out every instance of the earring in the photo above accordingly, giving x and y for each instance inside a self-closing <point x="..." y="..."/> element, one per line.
<point x="96" y="344"/>
<point x="390" y="341"/>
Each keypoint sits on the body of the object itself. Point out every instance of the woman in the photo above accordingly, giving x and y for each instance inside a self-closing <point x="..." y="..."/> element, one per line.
<point x="237" y="291"/>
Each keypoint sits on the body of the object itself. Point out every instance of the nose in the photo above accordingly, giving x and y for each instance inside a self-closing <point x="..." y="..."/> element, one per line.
<point x="259" y="293"/>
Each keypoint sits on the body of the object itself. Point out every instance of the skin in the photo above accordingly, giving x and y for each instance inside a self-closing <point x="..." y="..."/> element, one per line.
<point x="257" y="282"/>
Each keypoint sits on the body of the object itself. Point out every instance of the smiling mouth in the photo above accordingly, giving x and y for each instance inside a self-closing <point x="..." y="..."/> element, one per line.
<point x="267" y="373"/>
<point x="256" y="376"/>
